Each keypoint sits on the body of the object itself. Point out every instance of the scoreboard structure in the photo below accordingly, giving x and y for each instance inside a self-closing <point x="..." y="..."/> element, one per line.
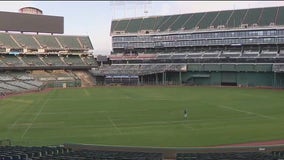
<point x="31" y="20"/>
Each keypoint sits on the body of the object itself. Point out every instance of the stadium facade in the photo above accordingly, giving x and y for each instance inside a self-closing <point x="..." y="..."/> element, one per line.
<point x="32" y="61"/>
<point x="231" y="47"/>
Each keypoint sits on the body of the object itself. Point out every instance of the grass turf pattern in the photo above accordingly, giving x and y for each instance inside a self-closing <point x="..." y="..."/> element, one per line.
<point x="143" y="116"/>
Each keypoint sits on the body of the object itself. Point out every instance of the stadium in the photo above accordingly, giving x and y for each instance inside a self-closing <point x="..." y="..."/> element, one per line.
<point x="223" y="68"/>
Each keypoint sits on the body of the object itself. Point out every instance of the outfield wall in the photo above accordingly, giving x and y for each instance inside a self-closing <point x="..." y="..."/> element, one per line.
<point x="244" y="75"/>
<point x="250" y="79"/>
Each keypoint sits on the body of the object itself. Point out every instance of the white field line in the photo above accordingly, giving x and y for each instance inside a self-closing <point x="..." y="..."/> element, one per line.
<point x="20" y="101"/>
<point x="247" y="112"/>
<point x="86" y="92"/>
<point x="149" y="124"/>
<point x="35" y="117"/>
<point x="113" y="124"/>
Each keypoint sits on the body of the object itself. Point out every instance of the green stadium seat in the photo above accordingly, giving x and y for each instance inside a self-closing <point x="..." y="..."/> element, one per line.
<point x="113" y="25"/>
<point x="166" y="25"/>
<point x="26" y="41"/>
<point x="280" y="16"/>
<point x="86" y="42"/>
<point x="7" y="41"/>
<point x="148" y="23"/>
<point x="69" y="42"/>
<point x="180" y="21"/>
<point x="222" y="18"/>
<point x="159" y="21"/>
<point x="206" y="21"/>
<point x="193" y="21"/>
<point x="47" y="41"/>
<point x="236" y="18"/>
<point x="268" y="16"/>
<point x="134" y="25"/>
<point x="121" y="25"/>
<point x="74" y="60"/>
<point x="252" y="16"/>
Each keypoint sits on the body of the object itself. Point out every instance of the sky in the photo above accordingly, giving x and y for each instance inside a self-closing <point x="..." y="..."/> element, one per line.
<point x="93" y="18"/>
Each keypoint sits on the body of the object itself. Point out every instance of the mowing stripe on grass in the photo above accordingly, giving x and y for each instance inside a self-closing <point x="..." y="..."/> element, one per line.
<point x="86" y="92"/>
<point x="20" y="101"/>
<point x="246" y="112"/>
<point x="35" y="117"/>
<point x="113" y="124"/>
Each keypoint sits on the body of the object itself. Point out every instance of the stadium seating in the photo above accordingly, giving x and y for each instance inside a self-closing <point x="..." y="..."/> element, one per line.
<point x="148" y="23"/>
<point x="7" y="41"/>
<point x="202" y="20"/>
<point x="14" y="82"/>
<point x="229" y="156"/>
<point x="180" y="21"/>
<point x="159" y="21"/>
<point x="193" y="21"/>
<point x="74" y="60"/>
<point x="134" y="25"/>
<point x="12" y="60"/>
<point x="69" y="42"/>
<point x="221" y="18"/>
<point x="122" y="25"/>
<point x="48" y="42"/>
<point x="252" y="16"/>
<point x="32" y="60"/>
<point x="86" y="42"/>
<point x="62" y="153"/>
<point x="205" y="22"/>
<point x="53" y="60"/>
<point x="166" y="25"/>
<point x="280" y="16"/>
<point x="268" y="16"/>
<point x="90" y="60"/>
<point x="26" y="41"/>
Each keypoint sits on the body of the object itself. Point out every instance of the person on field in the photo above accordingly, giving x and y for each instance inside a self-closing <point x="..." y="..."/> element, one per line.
<point x="185" y="114"/>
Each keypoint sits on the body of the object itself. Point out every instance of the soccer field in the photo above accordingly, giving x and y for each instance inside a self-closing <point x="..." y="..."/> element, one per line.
<point x="144" y="116"/>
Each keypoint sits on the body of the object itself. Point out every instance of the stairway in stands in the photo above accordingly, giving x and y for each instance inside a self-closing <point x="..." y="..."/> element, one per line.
<point x="86" y="78"/>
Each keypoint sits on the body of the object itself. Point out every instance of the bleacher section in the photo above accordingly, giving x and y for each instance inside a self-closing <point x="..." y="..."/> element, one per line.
<point x="53" y="60"/>
<point x="15" y="82"/>
<point x="66" y="152"/>
<point x="33" y="60"/>
<point x="62" y="153"/>
<point x="57" y="78"/>
<point x="25" y="41"/>
<point x="230" y="156"/>
<point x="45" y="61"/>
<point x="12" y="60"/>
<point x="73" y="60"/>
<point x="203" y="20"/>
<point x="137" y="69"/>
<point x="47" y="42"/>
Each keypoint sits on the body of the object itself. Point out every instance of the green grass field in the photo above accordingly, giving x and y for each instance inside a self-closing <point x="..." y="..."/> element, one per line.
<point x="146" y="116"/>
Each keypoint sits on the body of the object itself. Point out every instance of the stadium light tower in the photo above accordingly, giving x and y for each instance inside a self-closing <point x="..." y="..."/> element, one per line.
<point x="115" y="5"/>
<point x="128" y="6"/>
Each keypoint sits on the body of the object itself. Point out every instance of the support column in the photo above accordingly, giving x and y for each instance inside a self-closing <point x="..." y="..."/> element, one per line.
<point x="163" y="78"/>
<point x="180" y="81"/>
<point x="274" y="80"/>
<point x="156" y="78"/>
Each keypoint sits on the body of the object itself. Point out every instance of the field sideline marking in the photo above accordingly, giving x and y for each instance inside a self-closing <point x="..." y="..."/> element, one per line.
<point x="86" y="93"/>
<point x="35" y="117"/>
<point x="247" y="112"/>
<point x="113" y="124"/>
